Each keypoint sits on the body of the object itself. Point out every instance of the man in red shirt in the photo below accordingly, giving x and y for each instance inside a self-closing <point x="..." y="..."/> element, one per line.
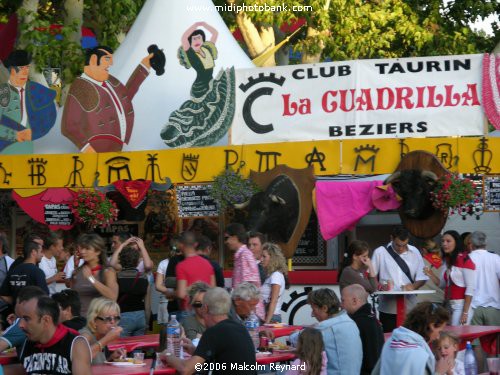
<point x="192" y="269"/>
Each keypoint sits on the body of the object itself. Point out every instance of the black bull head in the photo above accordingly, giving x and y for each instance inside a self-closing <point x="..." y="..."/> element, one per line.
<point x="274" y="211"/>
<point x="414" y="187"/>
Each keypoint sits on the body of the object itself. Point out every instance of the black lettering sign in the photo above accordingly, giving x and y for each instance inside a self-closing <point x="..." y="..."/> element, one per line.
<point x="492" y="193"/>
<point x="58" y="214"/>
<point x="195" y="201"/>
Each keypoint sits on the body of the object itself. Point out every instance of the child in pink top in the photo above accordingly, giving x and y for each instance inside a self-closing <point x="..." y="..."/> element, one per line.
<point x="311" y="354"/>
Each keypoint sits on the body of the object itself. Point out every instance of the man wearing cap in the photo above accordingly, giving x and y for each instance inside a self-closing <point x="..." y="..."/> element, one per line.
<point x="98" y="113"/>
<point x="27" y="109"/>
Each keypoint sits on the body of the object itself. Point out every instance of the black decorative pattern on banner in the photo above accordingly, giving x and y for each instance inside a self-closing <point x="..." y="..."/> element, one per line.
<point x="366" y="155"/>
<point x="404" y="149"/>
<point x="153" y="168"/>
<point x="189" y="166"/>
<point x="270" y="158"/>
<point x="316" y="157"/>
<point x="250" y="99"/>
<point x="117" y="166"/>
<point x="75" y="174"/>
<point x="232" y="158"/>
<point x="6" y="175"/>
<point x="482" y="157"/>
<point x="37" y="168"/>
<point x="444" y="152"/>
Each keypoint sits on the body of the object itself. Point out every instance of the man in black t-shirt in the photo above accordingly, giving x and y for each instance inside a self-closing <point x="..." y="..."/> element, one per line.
<point x="225" y="347"/>
<point x="26" y="273"/>
<point x="50" y="348"/>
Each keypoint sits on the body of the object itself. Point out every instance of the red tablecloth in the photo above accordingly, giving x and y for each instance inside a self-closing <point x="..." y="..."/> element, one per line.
<point x="116" y="370"/>
<point x="285" y="330"/>
<point x="144" y="370"/>
<point x="275" y="357"/>
<point x="132" y="343"/>
<point x="487" y="335"/>
<point x="9" y="357"/>
<point x="152" y="341"/>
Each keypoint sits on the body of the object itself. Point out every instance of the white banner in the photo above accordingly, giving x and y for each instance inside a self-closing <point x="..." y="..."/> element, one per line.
<point x="386" y="98"/>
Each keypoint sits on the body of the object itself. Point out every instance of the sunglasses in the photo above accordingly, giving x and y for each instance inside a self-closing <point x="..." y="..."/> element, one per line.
<point x="109" y="319"/>
<point x="197" y="304"/>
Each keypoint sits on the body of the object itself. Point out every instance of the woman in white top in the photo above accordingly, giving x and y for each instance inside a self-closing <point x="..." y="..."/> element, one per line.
<point x="272" y="290"/>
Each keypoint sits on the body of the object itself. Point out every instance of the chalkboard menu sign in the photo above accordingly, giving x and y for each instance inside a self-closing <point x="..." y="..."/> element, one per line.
<point x="58" y="214"/>
<point x="195" y="201"/>
<point x="491" y="187"/>
<point x="311" y="248"/>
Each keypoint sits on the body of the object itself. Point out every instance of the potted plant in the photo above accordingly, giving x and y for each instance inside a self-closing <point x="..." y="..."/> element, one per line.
<point x="453" y="193"/>
<point x="93" y="208"/>
<point x="230" y="187"/>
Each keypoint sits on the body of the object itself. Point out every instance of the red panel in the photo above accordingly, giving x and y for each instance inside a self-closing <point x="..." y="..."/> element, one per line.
<point x="313" y="277"/>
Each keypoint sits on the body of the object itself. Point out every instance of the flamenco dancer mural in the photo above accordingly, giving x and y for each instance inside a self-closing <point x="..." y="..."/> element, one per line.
<point x="206" y="117"/>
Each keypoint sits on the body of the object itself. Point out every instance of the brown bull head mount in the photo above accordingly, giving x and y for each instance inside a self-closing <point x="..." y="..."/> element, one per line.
<point x="283" y="207"/>
<point x="414" y="179"/>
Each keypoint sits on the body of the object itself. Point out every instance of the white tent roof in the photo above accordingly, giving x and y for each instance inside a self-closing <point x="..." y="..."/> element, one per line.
<point x="163" y="22"/>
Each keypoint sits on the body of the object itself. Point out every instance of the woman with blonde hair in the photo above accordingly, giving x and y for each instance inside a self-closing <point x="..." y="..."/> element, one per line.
<point x="102" y="327"/>
<point x="272" y="290"/>
<point x="93" y="278"/>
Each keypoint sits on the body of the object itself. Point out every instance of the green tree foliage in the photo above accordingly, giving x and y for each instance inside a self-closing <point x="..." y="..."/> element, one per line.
<point x="359" y="29"/>
<point x="109" y="20"/>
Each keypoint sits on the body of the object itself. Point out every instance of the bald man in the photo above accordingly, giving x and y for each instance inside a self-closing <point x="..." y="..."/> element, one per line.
<point x="355" y="302"/>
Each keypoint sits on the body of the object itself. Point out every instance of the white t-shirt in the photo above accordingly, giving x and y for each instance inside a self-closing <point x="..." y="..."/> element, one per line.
<point x="386" y="268"/>
<point x="276" y="278"/>
<point x="162" y="267"/>
<point x="49" y="268"/>
<point x="70" y="266"/>
<point x="487" y="290"/>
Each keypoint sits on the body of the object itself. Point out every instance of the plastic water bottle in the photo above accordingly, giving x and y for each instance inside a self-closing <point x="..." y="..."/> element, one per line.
<point x="252" y="324"/>
<point x="470" y="364"/>
<point x="174" y="337"/>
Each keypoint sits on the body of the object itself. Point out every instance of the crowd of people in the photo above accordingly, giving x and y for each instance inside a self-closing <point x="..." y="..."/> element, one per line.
<point x="109" y="297"/>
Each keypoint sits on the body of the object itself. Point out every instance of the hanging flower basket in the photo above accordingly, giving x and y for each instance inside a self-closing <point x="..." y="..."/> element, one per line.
<point x="230" y="188"/>
<point x="94" y="209"/>
<point x="453" y="193"/>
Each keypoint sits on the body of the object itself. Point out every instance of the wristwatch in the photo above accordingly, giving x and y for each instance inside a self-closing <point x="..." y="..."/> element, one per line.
<point x="91" y="279"/>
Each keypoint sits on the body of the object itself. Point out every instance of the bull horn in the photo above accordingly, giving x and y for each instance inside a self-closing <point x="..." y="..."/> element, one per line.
<point x="241" y="206"/>
<point x="277" y="199"/>
<point x="430" y="175"/>
<point x="392" y="177"/>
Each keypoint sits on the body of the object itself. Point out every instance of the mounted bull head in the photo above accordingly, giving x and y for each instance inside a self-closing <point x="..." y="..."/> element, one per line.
<point x="414" y="187"/>
<point x="283" y="209"/>
<point x="413" y="180"/>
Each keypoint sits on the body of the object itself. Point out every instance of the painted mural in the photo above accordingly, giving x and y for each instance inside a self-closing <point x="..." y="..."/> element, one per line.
<point x="27" y="108"/>
<point x="204" y="118"/>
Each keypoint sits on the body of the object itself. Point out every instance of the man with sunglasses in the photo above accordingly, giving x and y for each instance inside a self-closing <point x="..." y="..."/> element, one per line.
<point x="26" y="273"/>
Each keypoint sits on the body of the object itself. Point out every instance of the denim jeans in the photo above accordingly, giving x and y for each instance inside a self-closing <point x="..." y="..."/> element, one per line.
<point x="133" y="323"/>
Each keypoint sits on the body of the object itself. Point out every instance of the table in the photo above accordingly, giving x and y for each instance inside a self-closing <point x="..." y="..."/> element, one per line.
<point x="285" y="330"/>
<point x="400" y="301"/>
<point x="8" y="357"/>
<point x="118" y="370"/>
<point x="134" y="342"/>
<point x="144" y="370"/>
<point x="487" y="335"/>
<point x="153" y="340"/>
